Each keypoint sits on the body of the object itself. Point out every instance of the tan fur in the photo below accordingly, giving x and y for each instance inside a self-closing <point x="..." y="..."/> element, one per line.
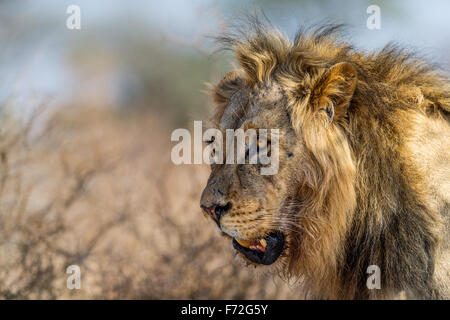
<point x="364" y="163"/>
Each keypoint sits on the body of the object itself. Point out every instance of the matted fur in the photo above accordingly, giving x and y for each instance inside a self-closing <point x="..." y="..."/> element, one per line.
<point x="372" y="185"/>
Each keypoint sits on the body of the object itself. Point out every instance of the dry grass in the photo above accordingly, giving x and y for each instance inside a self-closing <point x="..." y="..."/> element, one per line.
<point x="98" y="189"/>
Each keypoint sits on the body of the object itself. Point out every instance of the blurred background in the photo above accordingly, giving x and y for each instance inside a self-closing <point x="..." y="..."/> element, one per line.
<point x="85" y="123"/>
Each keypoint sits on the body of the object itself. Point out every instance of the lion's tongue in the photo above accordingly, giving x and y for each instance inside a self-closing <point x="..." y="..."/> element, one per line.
<point x="254" y="245"/>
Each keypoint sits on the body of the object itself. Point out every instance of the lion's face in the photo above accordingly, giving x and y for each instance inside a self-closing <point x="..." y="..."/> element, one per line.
<point x="256" y="210"/>
<point x="296" y="218"/>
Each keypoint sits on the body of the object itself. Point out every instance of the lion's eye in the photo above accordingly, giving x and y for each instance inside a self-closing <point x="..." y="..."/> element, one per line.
<point x="251" y="147"/>
<point x="264" y="146"/>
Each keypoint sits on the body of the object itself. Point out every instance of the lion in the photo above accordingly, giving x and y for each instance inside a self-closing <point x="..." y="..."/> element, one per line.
<point x="364" y="165"/>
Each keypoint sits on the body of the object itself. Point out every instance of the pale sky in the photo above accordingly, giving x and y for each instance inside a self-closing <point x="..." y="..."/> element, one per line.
<point x="35" y="60"/>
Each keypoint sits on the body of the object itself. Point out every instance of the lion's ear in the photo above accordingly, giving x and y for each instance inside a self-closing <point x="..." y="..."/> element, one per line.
<point x="334" y="90"/>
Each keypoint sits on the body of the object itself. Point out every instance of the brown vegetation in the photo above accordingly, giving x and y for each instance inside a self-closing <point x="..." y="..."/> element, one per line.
<point x="97" y="189"/>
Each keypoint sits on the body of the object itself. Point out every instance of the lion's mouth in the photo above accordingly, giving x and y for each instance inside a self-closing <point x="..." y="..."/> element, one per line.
<point x="262" y="251"/>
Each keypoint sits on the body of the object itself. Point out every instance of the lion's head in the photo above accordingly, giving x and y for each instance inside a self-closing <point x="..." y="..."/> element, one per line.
<point x="294" y="220"/>
<point x="351" y="188"/>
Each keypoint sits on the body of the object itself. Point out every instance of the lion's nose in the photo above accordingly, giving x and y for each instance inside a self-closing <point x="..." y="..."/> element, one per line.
<point x="216" y="211"/>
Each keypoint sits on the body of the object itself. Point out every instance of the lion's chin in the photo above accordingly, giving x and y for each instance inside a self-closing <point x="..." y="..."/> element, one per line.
<point x="263" y="251"/>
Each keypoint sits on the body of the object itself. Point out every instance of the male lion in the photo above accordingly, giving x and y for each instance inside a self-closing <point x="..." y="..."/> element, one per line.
<point x="364" y="165"/>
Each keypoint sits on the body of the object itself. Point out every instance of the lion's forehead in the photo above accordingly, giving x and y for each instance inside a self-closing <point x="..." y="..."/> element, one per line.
<point x="263" y="105"/>
<point x="268" y="94"/>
